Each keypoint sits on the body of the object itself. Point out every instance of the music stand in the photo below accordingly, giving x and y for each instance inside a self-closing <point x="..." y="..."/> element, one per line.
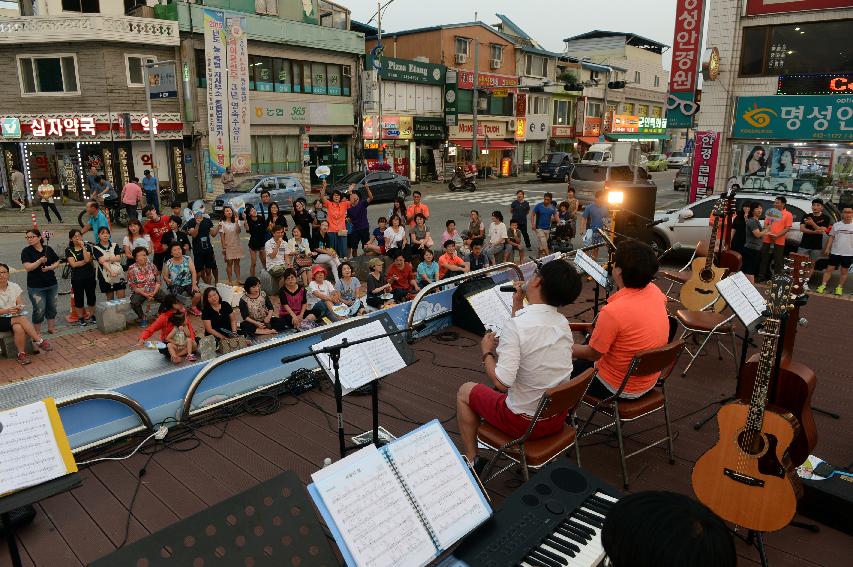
<point x="334" y="353"/>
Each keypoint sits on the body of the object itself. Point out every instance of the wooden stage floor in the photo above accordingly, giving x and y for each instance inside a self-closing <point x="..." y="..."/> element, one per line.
<point x="231" y="456"/>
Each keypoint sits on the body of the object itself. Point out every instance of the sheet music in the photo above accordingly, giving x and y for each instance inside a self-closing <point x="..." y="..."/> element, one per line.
<point x="592" y="268"/>
<point x="361" y="364"/>
<point x="372" y="511"/>
<point x="492" y="308"/>
<point x="742" y="297"/>
<point x="440" y="482"/>
<point x="29" y="453"/>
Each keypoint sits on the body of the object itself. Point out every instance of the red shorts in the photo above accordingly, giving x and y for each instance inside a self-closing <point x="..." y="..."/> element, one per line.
<point x="490" y="405"/>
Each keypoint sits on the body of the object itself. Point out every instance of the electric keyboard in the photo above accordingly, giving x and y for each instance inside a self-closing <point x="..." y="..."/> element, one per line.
<point x="553" y="520"/>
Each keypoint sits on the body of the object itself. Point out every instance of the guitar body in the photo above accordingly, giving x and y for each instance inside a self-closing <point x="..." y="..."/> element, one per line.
<point x="792" y="394"/>
<point x="758" y="491"/>
<point x="700" y="289"/>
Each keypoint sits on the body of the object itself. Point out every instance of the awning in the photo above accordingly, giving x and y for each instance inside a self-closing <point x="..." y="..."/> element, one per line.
<point x="588" y="140"/>
<point x="483" y="145"/>
<point x="635" y="136"/>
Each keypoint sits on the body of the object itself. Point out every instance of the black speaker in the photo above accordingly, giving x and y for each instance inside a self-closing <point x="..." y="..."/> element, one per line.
<point x="637" y="210"/>
<point x="463" y="315"/>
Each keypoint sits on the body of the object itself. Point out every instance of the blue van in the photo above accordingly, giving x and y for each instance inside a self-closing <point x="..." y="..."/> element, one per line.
<point x="556" y="166"/>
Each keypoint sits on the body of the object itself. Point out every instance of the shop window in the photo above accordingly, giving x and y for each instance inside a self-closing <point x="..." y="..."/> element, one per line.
<point x="333" y="79"/>
<point x="262" y="72"/>
<point x="306" y="77"/>
<point x="318" y="76"/>
<point x="276" y="154"/>
<point x="752" y="51"/>
<point x="296" y="70"/>
<point x="346" y="80"/>
<point x="84" y="6"/>
<point x="135" y="72"/>
<point x="811" y="47"/>
<point x="282" y="72"/>
<point x="465" y="101"/>
<point x="48" y="74"/>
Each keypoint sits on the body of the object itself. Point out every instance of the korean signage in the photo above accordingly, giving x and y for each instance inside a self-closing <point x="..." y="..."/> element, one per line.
<point x="238" y="94"/>
<point x="591" y="126"/>
<point x="93" y="127"/>
<point x="520" y="128"/>
<point x="451" y="115"/>
<point x="794" y="117"/>
<point x="429" y="128"/>
<point x="521" y="104"/>
<point x="562" y="132"/>
<point x="760" y="7"/>
<point x="537" y="126"/>
<point x="465" y="80"/>
<point x="816" y="84"/>
<point x="178" y="162"/>
<point x="686" y="56"/>
<point x="494" y="130"/>
<point x="302" y="113"/>
<point x="393" y="127"/>
<point x="218" y="139"/>
<point x="651" y="125"/>
<point x="162" y="81"/>
<point x="405" y="71"/>
<point x="624" y="122"/>
<point x="704" y="165"/>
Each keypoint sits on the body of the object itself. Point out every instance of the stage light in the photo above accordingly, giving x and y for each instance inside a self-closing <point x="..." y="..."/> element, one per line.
<point x="615" y="197"/>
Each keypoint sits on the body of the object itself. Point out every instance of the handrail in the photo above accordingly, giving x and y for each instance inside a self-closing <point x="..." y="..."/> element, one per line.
<point x="135" y="406"/>
<point x="266" y="345"/>
<point x="460" y="278"/>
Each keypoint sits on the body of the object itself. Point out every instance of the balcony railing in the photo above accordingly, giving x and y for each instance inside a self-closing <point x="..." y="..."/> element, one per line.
<point x="33" y="29"/>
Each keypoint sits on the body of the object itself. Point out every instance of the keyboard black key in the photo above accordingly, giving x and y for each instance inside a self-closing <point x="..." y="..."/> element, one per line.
<point x="582" y="528"/>
<point x="588" y="518"/>
<point x="574" y="535"/>
<point x="536" y="554"/>
<point x="552" y="556"/>
<point x="533" y="562"/>
<point x="599" y="500"/>
<point x="562" y="545"/>
<point x="596" y="506"/>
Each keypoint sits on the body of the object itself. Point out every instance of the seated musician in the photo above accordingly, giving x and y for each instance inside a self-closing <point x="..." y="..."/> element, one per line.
<point x="633" y="320"/>
<point x="665" y="529"/>
<point x="529" y="359"/>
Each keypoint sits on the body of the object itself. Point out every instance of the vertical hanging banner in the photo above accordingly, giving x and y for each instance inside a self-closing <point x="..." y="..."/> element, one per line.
<point x="704" y="165"/>
<point x="238" y="94"/>
<point x="681" y="103"/>
<point x="217" y="118"/>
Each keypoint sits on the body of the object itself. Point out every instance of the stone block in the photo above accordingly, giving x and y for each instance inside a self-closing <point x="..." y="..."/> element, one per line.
<point x="268" y="284"/>
<point x="112" y="315"/>
<point x="7" y="345"/>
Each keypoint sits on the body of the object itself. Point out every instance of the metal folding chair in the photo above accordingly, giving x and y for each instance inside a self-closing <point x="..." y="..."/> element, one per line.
<point x="710" y="325"/>
<point x="683" y="274"/>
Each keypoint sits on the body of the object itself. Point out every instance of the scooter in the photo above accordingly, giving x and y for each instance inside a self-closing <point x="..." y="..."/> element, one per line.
<point x="464" y="178"/>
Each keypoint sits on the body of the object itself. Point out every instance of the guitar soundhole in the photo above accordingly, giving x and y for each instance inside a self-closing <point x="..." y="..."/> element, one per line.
<point x="750" y="443"/>
<point x="706" y="275"/>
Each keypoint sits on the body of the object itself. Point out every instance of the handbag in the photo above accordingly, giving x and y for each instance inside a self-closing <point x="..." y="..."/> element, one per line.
<point x="231" y="344"/>
<point x="304" y="260"/>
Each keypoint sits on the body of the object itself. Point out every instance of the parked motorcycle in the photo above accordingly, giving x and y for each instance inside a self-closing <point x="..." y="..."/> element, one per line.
<point x="464" y="178"/>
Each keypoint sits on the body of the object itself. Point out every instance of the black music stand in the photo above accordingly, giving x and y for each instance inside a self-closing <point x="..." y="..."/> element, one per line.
<point x="28" y="497"/>
<point x="334" y="352"/>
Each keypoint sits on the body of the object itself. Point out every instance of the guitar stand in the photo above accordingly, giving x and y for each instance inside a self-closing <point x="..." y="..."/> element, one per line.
<point x="747" y="341"/>
<point x="757" y="540"/>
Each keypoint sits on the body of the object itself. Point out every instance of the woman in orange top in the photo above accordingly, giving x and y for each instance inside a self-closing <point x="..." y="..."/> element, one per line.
<point x="336" y="209"/>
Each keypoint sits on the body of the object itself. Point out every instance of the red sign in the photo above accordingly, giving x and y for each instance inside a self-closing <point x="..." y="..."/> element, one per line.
<point x="760" y="7"/>
<point x="591" y="126"/>
<point x="686" y="45"/>
<point x="465" y="80"/>
<point x="704" y="165"/>
<point x="624" y="123"/>
<point x="520" y="105"/>
<point x="562" y="132"/>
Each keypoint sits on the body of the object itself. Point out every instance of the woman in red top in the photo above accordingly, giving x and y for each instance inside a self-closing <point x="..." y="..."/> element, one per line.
<point x="168" y="307"/>
<point x="336" y="209"/>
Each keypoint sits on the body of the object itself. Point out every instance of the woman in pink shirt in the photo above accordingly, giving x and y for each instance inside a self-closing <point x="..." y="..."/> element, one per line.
<point x="131" y="197"/>
<point x="336" y="209"/>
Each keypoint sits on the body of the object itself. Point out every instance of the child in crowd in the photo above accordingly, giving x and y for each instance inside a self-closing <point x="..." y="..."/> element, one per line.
<point x="477" y="259"/>
<point x="514" y="237"/>
<point x="180" y="341"/>
<point x="376" y="244"/>
<point x="428" y="269"/>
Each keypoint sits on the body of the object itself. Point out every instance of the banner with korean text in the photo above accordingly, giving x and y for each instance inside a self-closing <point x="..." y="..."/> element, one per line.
<point x="794" y="117"/>
<point x="238" y="94"/>
<point x="218" y="143"/>
<point x="686" y="55"/>
<point x="706" y="146"/>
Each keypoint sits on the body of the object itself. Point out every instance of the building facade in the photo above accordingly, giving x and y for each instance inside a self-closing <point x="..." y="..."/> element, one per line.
<point x="782" y="101"/>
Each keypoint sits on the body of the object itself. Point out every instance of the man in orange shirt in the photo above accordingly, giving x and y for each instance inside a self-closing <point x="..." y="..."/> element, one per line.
<point x="415" y="208"/>
<point x="450" y="261"/>
<point x="634" y="319"/>
<point x="780" y="222"/>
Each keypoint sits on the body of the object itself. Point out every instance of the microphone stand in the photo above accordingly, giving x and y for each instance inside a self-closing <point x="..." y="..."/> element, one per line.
<point x="334" y="352"/>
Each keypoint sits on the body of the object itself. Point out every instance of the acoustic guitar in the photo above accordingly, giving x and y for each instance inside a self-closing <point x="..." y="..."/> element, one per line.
<point x="701" y="289"/>
<point x="747" y="477"/>
<point x="796" y="382"/>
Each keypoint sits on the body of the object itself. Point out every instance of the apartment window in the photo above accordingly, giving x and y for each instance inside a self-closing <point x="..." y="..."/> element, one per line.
<point x="540" y="105"/>
<point x="657" y="81"/>
<point x="296" y="69"/>
<point x="496" y="52"/>
<point x="637" y="77"/>
<point x="306" y="77"/>
<point x="657" y="111"/>
<point x="816" y="47"/>
<point x="318" y="77"/>
<point x="593" y="109"/>
<point x="544" y="67"/>
<point x="333" y="78"/>
<point x="48" y="74"/>
<point x="535" y="66"/>
<point x="462" y="46"/>
<point x="593" y="75"/>
<point x="562" y="112"/>
<point x="135" y="72"/>
<point x="84" y="6"/>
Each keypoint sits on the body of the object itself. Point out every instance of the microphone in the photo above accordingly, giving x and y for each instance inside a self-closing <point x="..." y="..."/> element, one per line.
<point x="510" y="288"/>
<point x="657" y="222"/>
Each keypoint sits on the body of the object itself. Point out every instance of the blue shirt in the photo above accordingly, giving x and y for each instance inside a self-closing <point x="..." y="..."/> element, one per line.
<point x="150" y="183"/>
<point x="429" y="270"/>
<point x="97" y="223"/>
<point x="380" y="236"/>
<point x="358" y="215"/>
<point x="595" y="216"/>
<point x="544" y="215"/>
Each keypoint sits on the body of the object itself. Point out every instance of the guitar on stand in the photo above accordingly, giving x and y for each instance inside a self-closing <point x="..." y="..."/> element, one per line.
<point x="747" y="478"/>
<point x="700" y="289"/>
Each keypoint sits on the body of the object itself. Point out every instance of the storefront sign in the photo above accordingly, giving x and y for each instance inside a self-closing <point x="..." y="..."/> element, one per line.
<point x="178" y="163"/>
<point x="71" y="126"/>
<point x="303" y="113"/>
<point x="520" y="128"/>
<point x="108" y="166"/>
<point x="520" y="105"/>
<point x="500" y="93"/>
<point x="591" y="126"/>
<point x="537" y="126"/>
<point x="686" y="52"/>
<point x="238" y="94"/>
<point x="218" y="142"/>
<point x="11" y="126"/>
<point x="465" y="130"/>
<point x="797" y="117"/>
<point x="465" y="80"/>
<point x="393" y="127"/>
<point x="816" y="84"/>
<point x="369" y="91"/>
<point x="162" y="81"/>
<point x="406" y="71"/>
<point x="651" y="125"/>
<point x="562" y="132"/>
<point x="123" y="170"/>
<point x="704" y="165"/>
<point x="711" y="64"/>
<point x="451" y="112"/>
<point x="624" y="123"/>
<point x="428" y="128"/>
<point x="761" y="7"/>
<point x="70" y="177"/>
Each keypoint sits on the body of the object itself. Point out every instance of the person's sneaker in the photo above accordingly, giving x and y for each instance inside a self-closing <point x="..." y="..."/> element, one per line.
<point x="143" y="323"/>
<point x="92" y="320"/>
<point x="23" y="208"/>
<point x="821" y="288"/>
<point x="838" y="291"/>
<point x="44" y="345"/>
<point x="191" y="358"/>
<point x="82" y="322"/>
<point x="23" y="359"/>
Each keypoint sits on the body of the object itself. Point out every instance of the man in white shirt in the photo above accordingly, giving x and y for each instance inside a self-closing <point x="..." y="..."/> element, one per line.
<point x="276" y="251"/>
<point x="497" y="238"/>
<point x="533" y="355"/>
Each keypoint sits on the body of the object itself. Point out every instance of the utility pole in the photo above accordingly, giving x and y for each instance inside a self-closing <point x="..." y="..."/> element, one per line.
<point x="476" y="101"/>
<point x="604" y="111"/>
<point x="147" y="65"/>
<point x="379" y="76"/>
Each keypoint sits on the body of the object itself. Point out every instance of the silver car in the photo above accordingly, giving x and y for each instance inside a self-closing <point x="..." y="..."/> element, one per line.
<point x="587" y="178"/>
<point x="677" y="159"/>
<point x="284" y="190"/>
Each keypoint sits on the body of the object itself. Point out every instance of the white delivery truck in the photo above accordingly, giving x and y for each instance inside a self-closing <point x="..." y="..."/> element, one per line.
<point x="611" y="152"/>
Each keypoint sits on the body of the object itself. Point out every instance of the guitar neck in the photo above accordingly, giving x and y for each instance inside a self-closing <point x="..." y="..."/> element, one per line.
<point x="712" y="244"/>
<point x="766" y="360"/>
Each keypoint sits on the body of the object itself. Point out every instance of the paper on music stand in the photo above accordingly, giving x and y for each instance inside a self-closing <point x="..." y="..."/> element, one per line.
<point x="33" y="446"/>
<point x="743" y="298"/>
<point x="592" y="268"/>
<point x="493" y="307"/>
<point x="365" y="362"/>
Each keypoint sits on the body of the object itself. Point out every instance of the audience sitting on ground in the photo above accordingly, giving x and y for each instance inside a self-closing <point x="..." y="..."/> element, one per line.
<point x="514" y="240"/>
<point x="257" y="311"/>
<point x="420" y="236"/>
<point x="451" y="233"/>
<point x="170" y="306"/>
<point x="293" y="298"/>
<point x="217" y="316"/>
<point x="378" y="289"/>
<point x="450" y="261"/>
<point x="376" y="245"/>
<point x="350" y="289"/>
<point x="427" y="269"/>
<point x="478" y="259"/>
<point x="144" y="281"/>
<point x="322" y="295"/>
<point x="180" y="342"/>
<point x="395" y="236"/>
<point x="325" y="252"/>
<point x="12" y="318"/>
<point x="402" y="278"/>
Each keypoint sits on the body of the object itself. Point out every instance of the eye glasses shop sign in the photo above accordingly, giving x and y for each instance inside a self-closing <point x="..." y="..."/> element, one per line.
<point x="824" y="117"/>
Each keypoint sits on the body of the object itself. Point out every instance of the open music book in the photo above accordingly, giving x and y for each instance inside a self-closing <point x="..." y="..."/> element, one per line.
<point x="33" y="446"/>
<point x="402" y="504"/>
<point x="493" y="307"/>
<point x="363" y="363"/>
<point x="592" y="268"/>
<point x="746" y="301"/>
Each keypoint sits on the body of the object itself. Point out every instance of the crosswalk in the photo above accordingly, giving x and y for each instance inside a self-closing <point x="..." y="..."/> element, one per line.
<point x="497" y="196"/>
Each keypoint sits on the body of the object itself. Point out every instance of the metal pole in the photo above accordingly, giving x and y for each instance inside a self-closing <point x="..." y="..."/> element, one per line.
<point x="476" y="101"/>
<point x="147" y="66"/>
<point x="604" y="110"/>
<point x="379" y="75"/>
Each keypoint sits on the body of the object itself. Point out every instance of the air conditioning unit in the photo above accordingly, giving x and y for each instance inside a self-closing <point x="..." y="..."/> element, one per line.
<point x="496" y="63"/>
<point x="461" y="58"/>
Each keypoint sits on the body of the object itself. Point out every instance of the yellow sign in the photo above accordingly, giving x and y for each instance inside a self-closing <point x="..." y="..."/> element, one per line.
<point x="520" y="128"/>
<point x="500" y="92"/>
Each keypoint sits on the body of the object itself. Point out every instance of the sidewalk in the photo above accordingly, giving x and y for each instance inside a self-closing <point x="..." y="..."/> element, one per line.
<point x="12" y="219"/>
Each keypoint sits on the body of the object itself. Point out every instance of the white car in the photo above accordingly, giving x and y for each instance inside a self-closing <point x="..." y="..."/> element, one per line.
<point x="690" y="224"/>
<point x="677" y="159"/>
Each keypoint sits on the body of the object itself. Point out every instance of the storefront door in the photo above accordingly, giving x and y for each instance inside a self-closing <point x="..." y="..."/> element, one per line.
<point x="331" y="152"/>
